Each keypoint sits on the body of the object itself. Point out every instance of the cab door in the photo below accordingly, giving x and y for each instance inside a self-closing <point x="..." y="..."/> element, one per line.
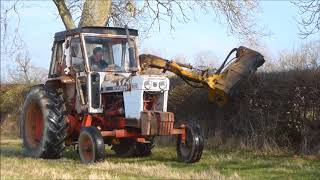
<point x="77" y="68"/>
<point x="87" y="83"/>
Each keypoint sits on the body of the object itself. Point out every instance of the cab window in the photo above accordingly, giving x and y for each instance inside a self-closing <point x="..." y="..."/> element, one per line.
<point x="57" y="61"/>
<point x="77" y="60"/>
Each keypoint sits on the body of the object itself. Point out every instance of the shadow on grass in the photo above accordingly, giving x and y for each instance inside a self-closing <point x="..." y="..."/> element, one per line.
<point x="10" y="151"/>
<point x="15" y="150"/>
<point x="154" y="158"/>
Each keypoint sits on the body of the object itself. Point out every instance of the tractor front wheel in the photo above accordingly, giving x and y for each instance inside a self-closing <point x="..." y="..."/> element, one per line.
<point x="91" y="145"/>
<point x="43" y="123"/>
<point x="190" y="151"/>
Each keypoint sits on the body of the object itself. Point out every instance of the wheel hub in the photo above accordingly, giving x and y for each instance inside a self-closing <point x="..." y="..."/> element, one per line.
<point x="34" y="125"/>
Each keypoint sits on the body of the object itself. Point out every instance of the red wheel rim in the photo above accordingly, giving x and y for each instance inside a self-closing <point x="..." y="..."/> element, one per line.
<point x="86" y="148"/>
<point x="34" y="125"/>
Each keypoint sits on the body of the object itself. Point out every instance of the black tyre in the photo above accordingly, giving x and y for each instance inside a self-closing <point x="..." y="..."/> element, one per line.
<point x="42" y="123"/>
<point x="191" y="150"/>
<point x="144" y="149"/>
<point x="126" y="148"/>
<point x="91" y="145"/>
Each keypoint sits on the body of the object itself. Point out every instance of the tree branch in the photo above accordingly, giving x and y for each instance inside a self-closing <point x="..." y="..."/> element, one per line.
<point x="310" y="16"/>
<point x="64" y="14"/>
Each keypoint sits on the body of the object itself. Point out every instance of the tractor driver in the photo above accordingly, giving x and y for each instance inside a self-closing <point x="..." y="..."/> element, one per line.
<point x="96" y="61"/>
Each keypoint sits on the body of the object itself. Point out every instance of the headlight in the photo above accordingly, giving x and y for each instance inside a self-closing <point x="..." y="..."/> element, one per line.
<point x="147" y="84"/>
<point x="162" y="85"/>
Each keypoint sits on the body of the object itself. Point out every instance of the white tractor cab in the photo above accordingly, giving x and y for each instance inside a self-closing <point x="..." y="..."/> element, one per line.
<point x="120" y="75"/>
<point x="96" y="95"/>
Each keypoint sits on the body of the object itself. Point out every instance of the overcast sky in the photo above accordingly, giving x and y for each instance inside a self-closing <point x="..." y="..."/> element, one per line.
<point x="40" y="21"/>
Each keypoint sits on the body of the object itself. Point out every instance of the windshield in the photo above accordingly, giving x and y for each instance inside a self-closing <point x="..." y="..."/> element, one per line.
<point x="107" y="54"/>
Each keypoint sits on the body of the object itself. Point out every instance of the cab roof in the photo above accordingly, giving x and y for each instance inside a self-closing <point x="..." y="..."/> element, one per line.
<point x="59" y="36"/>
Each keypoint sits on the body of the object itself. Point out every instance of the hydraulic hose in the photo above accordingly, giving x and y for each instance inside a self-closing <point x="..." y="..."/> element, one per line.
<point x="224" y="62"/>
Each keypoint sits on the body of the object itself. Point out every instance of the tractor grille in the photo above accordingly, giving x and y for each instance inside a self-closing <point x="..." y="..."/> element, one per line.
<point x="153" y="101"/>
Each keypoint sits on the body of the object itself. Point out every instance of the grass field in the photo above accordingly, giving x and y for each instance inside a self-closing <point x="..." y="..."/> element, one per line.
<point x="161" y="164"/>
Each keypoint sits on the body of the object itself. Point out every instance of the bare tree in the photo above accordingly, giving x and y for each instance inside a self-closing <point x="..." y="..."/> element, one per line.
<point x="311" y="52"/>
<point x="11" y="40"/>
<point x="305" y="57"/>
<point x="206" y="59"/>
<point x="23" y="72"/>
<point x="181" y="58"/>
<point x="310" y="16"/>
<point x="237" y="15"/>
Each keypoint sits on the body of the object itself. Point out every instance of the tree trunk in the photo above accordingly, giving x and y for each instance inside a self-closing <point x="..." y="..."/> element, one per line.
<point x="64" y="14"/>
<point x="95" y="13"/>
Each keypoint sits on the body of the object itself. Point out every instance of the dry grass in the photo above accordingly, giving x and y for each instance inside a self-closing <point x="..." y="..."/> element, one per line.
<point x="13" y="165"/>
<point x="161" y="164"/>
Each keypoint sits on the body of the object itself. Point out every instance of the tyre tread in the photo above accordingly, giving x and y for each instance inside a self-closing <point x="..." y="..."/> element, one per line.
<point x="52" y="145"/>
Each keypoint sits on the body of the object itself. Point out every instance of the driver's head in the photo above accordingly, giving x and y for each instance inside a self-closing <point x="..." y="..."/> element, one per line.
<point x="97" y="54"/>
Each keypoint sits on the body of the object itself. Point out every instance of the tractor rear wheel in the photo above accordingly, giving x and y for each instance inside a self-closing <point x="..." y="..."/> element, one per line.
<point x="144" y="149"/>
<point x="91" y="145"/>
<point x="43" y="125"/>
<point x="190" y="151"/>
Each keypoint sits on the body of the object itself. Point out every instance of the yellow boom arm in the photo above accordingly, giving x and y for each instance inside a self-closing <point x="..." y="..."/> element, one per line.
<point x="222" y="81"/>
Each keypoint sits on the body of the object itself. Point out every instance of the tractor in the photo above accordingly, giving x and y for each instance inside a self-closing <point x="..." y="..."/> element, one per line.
<point x="96" y="94"/>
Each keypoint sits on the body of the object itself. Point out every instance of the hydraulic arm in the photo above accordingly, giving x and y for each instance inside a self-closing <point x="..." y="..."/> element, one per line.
<point x="221" y="82"/>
